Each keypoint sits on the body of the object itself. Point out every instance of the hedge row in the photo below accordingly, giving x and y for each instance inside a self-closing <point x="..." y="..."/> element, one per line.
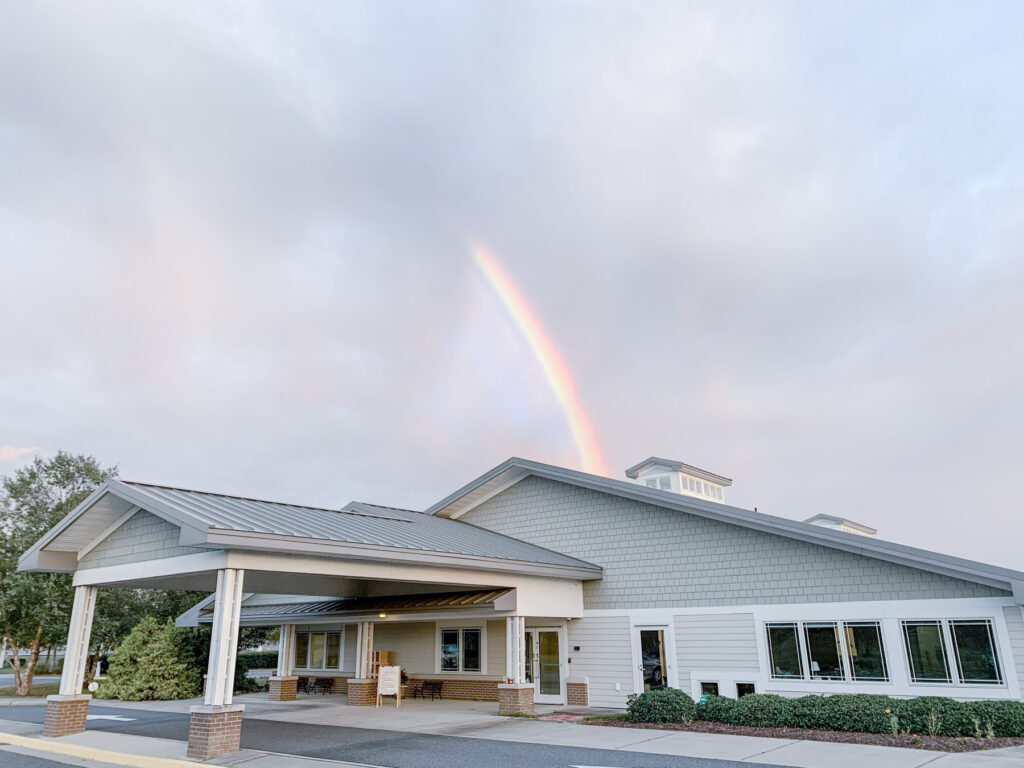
<point x="259" y="659"/>
<point x="933" y="715"/>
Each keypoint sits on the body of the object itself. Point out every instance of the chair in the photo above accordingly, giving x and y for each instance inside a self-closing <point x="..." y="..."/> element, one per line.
<point x="302" y="684"/>
<point x="323" y="685"/>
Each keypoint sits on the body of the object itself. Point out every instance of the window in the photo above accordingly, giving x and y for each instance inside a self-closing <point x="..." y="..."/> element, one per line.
<point x="709" y="689"/>
<point x="926" y="652"/>
<point x="318" y="650"/>
<point x="665" y="483"/>
<point x="461" y="650"/>
<point x="865" y="653"/>
<point x="823" y="654"/>
<point x="743" y="689"/>
<point x="652" y="483"/>
<point x="693" y="484"/>
<point x="784" y="649"/>
<point x="975" y="649"/>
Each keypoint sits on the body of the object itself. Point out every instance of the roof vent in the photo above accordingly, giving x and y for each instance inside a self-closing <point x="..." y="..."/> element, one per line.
<point x="675" y="476"/>
<point x="841" y="524"/>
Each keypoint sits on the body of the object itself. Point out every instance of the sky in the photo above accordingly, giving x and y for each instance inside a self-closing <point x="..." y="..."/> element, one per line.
<point x="782" y="241"/>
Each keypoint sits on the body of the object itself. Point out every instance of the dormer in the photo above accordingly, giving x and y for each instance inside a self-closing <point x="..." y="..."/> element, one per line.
<point x="675" y="476"/>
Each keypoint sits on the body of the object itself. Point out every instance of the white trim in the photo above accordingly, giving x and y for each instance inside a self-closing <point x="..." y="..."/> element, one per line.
<point x="563" y="663"/>
<point x="486" y="497"/>
<point x="108" y="530"/>
<point x="671" y="652"/>
<point x="309" y="646"/>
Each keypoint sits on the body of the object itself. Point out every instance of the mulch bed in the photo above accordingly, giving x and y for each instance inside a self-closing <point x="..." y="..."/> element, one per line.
<point x="938" y="743"/>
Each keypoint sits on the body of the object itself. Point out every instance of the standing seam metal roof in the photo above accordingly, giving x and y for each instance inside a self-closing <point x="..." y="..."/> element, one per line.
<point x="356" y="523"/>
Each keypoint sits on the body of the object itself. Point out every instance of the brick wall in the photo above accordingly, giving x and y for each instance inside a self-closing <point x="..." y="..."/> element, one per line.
<point x="577" y="694"/>
<point x="65" y="715"/>
<point x="655" y="557"/>
<point x="214" y="733"/>
<point x="282" y="689"/>
<point x="362" y="693"/>
<point x="515" y="699"/>
<point x="469" y="690"/>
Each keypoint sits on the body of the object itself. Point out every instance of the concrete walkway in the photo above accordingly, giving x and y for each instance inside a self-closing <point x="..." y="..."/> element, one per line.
<point x="478" y="720"/>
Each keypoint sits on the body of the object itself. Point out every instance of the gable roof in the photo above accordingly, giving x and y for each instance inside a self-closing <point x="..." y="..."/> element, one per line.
<point x="357" y="530"/>
<point x="515" y="469"/>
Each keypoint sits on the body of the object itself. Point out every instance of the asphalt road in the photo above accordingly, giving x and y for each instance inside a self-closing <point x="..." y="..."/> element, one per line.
<point x="393" y="749"/>
<point x="7" y="679"/>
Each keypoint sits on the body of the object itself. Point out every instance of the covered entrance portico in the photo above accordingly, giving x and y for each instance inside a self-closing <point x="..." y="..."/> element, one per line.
<point x="449" y="603"/>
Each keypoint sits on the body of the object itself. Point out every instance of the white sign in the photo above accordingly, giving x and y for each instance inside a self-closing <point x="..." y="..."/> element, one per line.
<point x="389" y="683"/>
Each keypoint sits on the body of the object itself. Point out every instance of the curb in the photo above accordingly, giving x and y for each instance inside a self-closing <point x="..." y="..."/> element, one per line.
<point x="94" y="753"/>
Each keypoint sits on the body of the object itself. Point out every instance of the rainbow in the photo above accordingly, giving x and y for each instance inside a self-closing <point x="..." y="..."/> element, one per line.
<point x="591" y="454"/>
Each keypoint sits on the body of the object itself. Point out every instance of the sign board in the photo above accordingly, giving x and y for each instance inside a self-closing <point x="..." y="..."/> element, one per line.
<point x="389" y="683"/>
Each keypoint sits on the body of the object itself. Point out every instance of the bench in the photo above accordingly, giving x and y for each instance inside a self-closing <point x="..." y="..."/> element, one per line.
<point x="430" y="688"/>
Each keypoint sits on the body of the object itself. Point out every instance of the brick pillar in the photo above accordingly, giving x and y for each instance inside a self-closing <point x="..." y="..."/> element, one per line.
<point x="577" y="692"/>
<point x="283" y="688"/>
<point x="362" y="692"/>
<point x="214" y="730"/>
<point x="515" y="698"/>
<point x="65" y="714"/>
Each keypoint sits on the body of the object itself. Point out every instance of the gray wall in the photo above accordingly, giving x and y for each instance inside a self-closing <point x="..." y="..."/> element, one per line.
<point x="655" y="557"/>
<point x="144" y="536"/>
<point x="715" y="642"/>
<point x="605" y="656"/>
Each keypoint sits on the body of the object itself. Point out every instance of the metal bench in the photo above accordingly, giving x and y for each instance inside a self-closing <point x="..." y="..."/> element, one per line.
<point x="430" y="688"/>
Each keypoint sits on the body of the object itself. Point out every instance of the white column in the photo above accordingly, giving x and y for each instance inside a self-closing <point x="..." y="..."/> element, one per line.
<point x="77" y="653"/>
<point x="515" y="649"/>
<point x="522" y="651"/>
<point x="364" y="649"/>
<point x="220" y="676"/>
<point x="286" y="650"/>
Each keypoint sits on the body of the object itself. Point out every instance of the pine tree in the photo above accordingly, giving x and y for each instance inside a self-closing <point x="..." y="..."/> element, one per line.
<point x="148" y="666"/>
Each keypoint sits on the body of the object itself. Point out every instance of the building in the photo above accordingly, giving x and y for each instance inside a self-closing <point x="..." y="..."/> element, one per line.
<point x="535" y="583"/>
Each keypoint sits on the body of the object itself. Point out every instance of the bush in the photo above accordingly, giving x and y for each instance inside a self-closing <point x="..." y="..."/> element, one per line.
<point x="716" y="709"/>
<point x="1006" y="718"/>
<point x="858" y="712"/>
<point x="664" y="705"/>
<point x="763" y="710"/>
<point x="148" y="666"/>
<point x="935" y="716"/>
<point x="259" y="659"/>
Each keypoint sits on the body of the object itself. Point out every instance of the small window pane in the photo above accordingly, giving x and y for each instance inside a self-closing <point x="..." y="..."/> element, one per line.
<point x="665" y="483"/>
<point x="316" y="650"/>
<point x="709" y="689"/>
<point x="784" y="650"/>
<point x="652" y="483"/>
<point x="743" y="689"/>
<point x="302" y="649"/>
<point x="926" y="652"/>
<point x="823" y="651"/>
<point x="471" y="650"/>
<point x="450" y="650"/>
<point x="865" y="649"/>
<point x="333" y="650"/>
<point x="976" y="656"/>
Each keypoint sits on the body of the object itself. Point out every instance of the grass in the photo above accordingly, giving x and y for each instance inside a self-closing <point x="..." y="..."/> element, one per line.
<point x="39" y="689"/>
<point x="604" y="718"/>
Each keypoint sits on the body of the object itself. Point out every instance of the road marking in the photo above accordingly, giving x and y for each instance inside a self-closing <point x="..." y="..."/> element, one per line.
<point x="119" y="718"/>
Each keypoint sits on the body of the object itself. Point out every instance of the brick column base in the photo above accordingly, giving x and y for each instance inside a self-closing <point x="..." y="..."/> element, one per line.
<point x="362" y="692"/>
<point x="65" y="714"/>
<point x="577" y="693"/>
<point x="283" y="688"/>
<point x="214" y="731"/>
<point x="515" y="698"/>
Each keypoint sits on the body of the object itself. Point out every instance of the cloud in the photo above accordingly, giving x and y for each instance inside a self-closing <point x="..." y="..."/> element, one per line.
<point x="778" y="242"/>
<point x="9" y="453"/>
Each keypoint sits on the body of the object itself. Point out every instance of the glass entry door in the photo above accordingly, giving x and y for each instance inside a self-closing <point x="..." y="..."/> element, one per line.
<point x="652" y="664"/>
<point x="544" y="665"/>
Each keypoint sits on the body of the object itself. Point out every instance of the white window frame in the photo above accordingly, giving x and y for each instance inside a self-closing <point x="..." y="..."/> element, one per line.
<point x="952" y="653"/>
<point x="309" y="645"/>
<point x="481" y="626"/>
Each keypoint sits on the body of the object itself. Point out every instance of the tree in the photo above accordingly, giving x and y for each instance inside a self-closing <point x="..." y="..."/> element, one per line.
<point x="34" y="607"/>
<point x="148" y="666"/>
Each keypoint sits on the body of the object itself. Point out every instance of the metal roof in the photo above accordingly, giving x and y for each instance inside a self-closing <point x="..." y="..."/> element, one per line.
<point x="376" y="528"/>
<point x="515" y="469"/>
<point x="353" y="606"/>
<point x="678" y="466"/>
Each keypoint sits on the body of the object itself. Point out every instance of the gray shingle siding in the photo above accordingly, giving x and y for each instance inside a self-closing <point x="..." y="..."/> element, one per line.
<point x="655" y="557"/>
<point x="143" y="537"/>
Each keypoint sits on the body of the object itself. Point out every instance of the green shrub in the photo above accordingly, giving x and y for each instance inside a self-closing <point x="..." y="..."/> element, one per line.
<point x="859" y="712"/>
<point x="935" y="716"/>
<point x="148" y="666"/>
<point x="716" y="709"/>
<point x="1005" y="717"/>
<point x="763" y="710"/>
<point x="259" y="659"/>
<point x="664" y="705"/>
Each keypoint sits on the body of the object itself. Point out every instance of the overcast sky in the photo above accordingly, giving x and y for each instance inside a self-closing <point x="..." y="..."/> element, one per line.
<point x="780" y="241"/>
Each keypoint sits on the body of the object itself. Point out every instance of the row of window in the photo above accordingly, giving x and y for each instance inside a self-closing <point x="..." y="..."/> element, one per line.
<point x="854" y="651"/>
<point x="695" y="486"/>
<point x="318" y="650"/>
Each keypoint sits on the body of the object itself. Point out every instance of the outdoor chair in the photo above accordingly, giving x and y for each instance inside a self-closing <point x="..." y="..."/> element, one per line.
<point x="323" y="685"/>
<point x="302" y="684"/>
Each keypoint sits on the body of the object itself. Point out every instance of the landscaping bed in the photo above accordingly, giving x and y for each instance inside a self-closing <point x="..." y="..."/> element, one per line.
<point x="938" y="743"/>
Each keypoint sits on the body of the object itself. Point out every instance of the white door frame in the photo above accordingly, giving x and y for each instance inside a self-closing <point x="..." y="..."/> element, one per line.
<point x="671" y="674"/>
<point x="563" y="656"/>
